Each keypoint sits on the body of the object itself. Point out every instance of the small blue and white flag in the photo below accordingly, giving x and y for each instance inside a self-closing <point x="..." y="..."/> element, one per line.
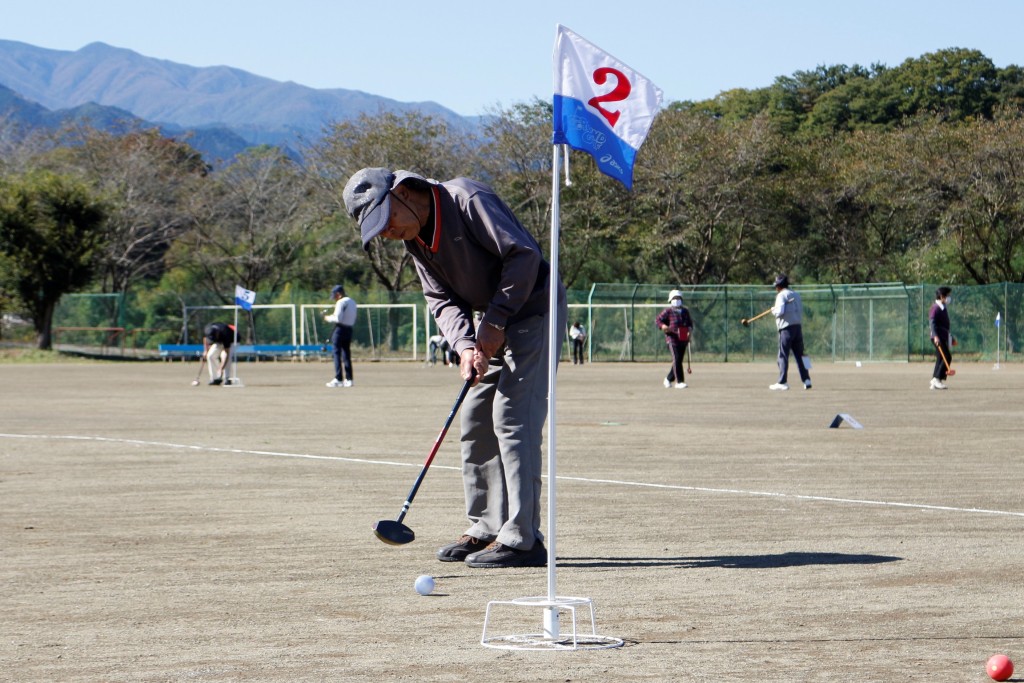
<point x="997" y="318"/>
<point x="602" y="106"/>
<point x="244" y="297"/>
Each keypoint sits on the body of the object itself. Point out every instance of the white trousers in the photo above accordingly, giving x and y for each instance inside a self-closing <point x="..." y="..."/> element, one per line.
<point x="214" y="357"/>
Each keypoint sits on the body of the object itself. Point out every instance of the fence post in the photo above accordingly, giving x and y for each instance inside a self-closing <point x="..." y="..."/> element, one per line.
<point x="590" y="323"/>
<point x="632" y="323"/>
<point x="726" y="325"/>
<point x="909" y="314"/>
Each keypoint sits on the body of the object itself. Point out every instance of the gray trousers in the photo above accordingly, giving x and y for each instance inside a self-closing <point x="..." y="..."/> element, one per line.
<point x="502" y="420"/>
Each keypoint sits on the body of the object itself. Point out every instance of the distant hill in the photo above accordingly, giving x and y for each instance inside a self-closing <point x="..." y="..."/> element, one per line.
<point x="22" y="117"/>
<point x="259" y="110"/>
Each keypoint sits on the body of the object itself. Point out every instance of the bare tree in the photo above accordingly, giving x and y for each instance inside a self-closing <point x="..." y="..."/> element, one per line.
<point x="248" y="225"/>
<point x="145" y="179"/>
<point x="411" y="141"/>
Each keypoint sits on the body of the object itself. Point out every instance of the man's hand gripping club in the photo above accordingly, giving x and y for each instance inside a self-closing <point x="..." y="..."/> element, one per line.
<point x="488" y="340"/>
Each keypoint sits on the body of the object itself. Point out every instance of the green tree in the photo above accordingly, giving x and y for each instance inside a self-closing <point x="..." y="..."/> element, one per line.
<point x="733" y="105"/>
<point x="51" y="231"/>
<point x="956" y="82"/>
<point x="979" y="171"/>
<point x="862" y="197"/>
<point x="791" y="99"/>
<point x="709" y="199"/>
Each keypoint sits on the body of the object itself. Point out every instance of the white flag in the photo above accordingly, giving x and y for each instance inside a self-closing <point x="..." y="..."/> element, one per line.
<point x="244" y="297"/>
<point x="602" y="106"/>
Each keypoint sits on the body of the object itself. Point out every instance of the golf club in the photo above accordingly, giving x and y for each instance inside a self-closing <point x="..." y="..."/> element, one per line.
<point x="689" y="356"/>
<point x="393" y="532"/>
<point x="202" y="361"/>
<point x="949" y="371"/>
<point x="747" y="321"/>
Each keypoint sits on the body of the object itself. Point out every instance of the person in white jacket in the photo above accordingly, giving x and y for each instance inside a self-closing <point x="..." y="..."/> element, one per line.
<point x="578" y="335"/>
<point x="789" y="314"/>
<point x="344" y="319"/>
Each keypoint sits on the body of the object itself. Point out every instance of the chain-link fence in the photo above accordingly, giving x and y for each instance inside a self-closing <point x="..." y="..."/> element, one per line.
<point x="388" y="326"/>
<point x="858" y="322"/>
<point x="861" y="322"/>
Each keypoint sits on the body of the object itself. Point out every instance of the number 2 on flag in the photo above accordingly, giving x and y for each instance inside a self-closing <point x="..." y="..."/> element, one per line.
<point x="619" y="93"/>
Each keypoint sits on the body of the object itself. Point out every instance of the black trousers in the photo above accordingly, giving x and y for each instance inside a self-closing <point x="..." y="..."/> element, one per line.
<point x="675" y="373"/>
<point x="939" y="371"/>
<point x="791" y="340"/>
<point x="341" y="339"/>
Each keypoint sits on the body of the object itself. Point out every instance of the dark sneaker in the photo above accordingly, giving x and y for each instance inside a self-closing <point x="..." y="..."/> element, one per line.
<point x="498" y="556"/>
<point x="460" y="549"/>
<point x="216" y="381"/>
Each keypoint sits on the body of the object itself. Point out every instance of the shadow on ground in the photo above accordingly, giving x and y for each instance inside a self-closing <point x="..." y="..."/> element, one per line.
<point x="792" y="559"/>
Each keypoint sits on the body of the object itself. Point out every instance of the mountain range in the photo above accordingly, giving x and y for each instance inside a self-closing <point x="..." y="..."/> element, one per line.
<point x="221" y="109"/>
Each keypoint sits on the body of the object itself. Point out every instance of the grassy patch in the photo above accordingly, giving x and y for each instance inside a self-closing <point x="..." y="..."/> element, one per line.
<point x="19" y="354"/>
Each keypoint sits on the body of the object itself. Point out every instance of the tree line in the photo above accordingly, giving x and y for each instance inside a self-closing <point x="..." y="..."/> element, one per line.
<point x="841" y="174"/>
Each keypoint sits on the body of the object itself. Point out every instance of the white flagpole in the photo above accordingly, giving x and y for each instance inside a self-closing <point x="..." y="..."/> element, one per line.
<point x="551" y="613"/>
<point x="234" y="356"/>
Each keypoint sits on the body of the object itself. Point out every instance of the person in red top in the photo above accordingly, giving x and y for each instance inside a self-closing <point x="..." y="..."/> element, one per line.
<point x="675" y="322"/>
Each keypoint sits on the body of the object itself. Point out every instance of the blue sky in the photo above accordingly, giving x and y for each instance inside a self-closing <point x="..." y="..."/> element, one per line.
<point x="472" y="56"/>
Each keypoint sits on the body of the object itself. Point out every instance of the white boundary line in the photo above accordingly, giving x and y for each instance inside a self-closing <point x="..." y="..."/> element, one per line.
<point x="584" y="480"/>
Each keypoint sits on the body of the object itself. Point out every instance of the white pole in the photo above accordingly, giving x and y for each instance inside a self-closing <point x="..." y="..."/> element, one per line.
<point x="551" y="613"/>
<point x="234" y="355"/>
<point x="998" y="330"/>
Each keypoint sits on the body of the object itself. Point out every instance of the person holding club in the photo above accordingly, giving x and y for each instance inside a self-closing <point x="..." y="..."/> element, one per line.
<point x="789" y="312"/>
<point x="344" y="319"/>
<point x="578" y="336"/>
<point x="675" y="322"/>
<point x="217" y="341"/>
<point x="938" y="322"/>
<point x="473" y="255"/>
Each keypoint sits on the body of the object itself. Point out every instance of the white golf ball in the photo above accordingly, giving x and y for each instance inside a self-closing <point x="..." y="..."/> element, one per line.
<point x="858" y="364"/>
<point x="425" y="585"/>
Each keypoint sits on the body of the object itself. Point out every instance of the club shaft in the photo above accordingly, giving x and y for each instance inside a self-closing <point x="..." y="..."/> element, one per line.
<point x="759" y="315"/>
<point x="202" y="361"/>
<point x="942" y="353"/>
<point x="433" y="451"/>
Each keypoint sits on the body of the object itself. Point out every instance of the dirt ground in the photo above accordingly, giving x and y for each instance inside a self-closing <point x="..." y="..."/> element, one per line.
<point x="155" y="531"/>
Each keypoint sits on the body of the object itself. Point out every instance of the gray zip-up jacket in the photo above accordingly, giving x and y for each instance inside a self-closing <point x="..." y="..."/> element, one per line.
<point x="477" y="256"/>
<point x="788" y="309"/>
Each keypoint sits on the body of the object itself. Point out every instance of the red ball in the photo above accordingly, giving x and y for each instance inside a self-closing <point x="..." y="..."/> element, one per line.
<point x="999" y="667"/>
